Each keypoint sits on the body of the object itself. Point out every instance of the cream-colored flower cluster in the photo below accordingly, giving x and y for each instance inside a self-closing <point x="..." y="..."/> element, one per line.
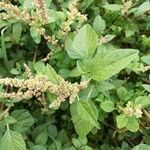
<point x="37" y="18"/>
<point x="14" y="12"/>
<point x="37" y="86"/>
<point x="72" y="14"/>
<point x="41" y="11"/>
<point x="130" y="110"/>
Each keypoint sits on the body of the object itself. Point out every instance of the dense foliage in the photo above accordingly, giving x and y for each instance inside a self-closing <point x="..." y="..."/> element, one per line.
<point x="75" y="75"/>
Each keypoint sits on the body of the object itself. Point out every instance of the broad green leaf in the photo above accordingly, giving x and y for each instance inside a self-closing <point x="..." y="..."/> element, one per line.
<point x="84" y="116"/>
<point x="24" y="120"/>
<point x="143" y="100"/>
<point x="12" y="140"/>
<point x="132" y="124"/>
<point x="41" y="139"/>
<point x="109" y="62"/>
<point x="107" y="106"/>
<point x="84" y="43"/>
<point x="121" y="121"/>
<point x="123" y="93"/>
<point x="35" y="35"/>
<point x="142" y="147"/>
<point x="99" y="25"/>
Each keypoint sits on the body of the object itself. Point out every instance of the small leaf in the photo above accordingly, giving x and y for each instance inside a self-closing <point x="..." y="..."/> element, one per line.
<point x="107" y="106"/>
<point x="121" y="121"/>
<point x="12" y="141"/>
<point x="132" y="124"/>
<point x="84" y="43"/>
<point x="84" y="112"/>
<point x="35" y="35"/>
<point x="99" y="25"/>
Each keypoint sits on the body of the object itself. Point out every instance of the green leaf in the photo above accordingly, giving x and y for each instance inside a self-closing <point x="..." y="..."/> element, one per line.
<point x="38" y="147"/>
<point x="16" y="30"/>
<point x="76" y="143"/>
<point x="99" y="25"/>
<point x="47" y="70"/>
<point x="35" y="35"/>
<point x="24" y="120"/>
<point x="143" y="100"/>
<point x="132" y="124"/>
<point x="146" y="59"/>
<point x="84" y="43"/>
<point x="121" y="121"/>
<point x="112" y="7"/>
<point x="123" y="94"/>
<point x="107" y="106"/>
<point x="109" y="62"/>
<point x="142" y="147"/>
<point x="142" y="8"/>
<point x="84" y="116"/>
<point x="42" y="138"/>
<point x="146" y="87"/>
<point x="12" y="140"/>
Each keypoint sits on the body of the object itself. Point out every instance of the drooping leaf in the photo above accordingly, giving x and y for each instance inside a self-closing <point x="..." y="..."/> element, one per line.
<point x="109" y="62"/>
<point x="84" y="116"/>
<point x="84" y="43"/>
<point x="12" y="140"/>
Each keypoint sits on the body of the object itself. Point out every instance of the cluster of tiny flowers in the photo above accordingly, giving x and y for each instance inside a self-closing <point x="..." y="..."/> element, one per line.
<point x="36" y="19"/>
<point x="14" y="12"/>
<point x="36" y="86"/>
<point x="27" y="71"/>
<point x="41" y="11"/>
<point x="72" y="14"/>
<point x="126" y="6"/>
<point x="51" y="39"/>
<point x="131" y="110"/>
